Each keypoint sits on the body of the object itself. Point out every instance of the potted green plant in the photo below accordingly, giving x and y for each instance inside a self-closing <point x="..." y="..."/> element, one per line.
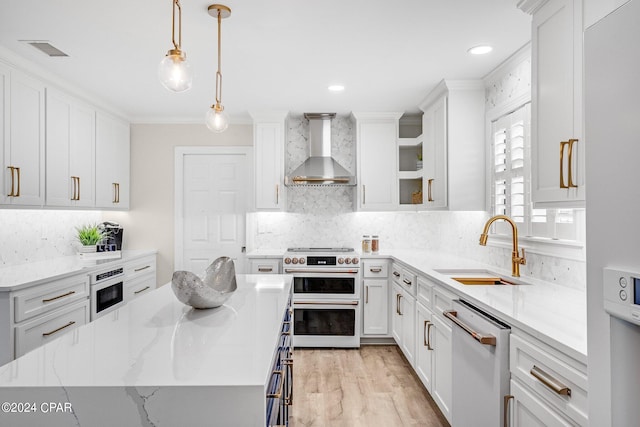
<point x="89" y="235"/>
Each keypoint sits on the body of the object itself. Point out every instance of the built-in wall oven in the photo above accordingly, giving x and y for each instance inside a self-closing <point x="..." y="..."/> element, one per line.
<point x="326" y="296"/>
<point x="107" y="291"/>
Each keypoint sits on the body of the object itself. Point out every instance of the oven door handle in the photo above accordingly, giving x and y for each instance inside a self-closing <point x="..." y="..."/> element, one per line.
<point x="325" y="303"/>
<point x="320" y="271"/>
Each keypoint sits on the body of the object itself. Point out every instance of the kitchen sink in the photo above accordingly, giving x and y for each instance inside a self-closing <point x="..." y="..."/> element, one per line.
<point x="479" y="277"/>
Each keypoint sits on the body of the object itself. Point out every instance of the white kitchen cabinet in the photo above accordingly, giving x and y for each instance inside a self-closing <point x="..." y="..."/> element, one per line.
<point x="23" y="139"/>
<point x="140" y="277"/>
<point x="5" y="174"/>
<point x="557" y="145"/>
<point x="527" y="410"/>
<point x="442" y="379"/>
<point x="376" y="139"/>
<point x="557" y="382"/>
<point x="269" y="141"/>
<point x="453" y="146"/>
<point x="112" y="162"/>
<point x="264" y="266"/>
<point x="70" y="158"/>
<point x="403" y="321"/>
<point x="424" y="350"/>
<point x="376" y="307"/>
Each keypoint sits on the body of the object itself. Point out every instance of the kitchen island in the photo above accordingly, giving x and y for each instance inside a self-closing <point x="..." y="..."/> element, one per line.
<point x="157" y="362"/>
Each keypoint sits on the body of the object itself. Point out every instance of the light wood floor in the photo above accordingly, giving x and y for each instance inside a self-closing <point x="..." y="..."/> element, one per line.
<point x="371" y="386"/>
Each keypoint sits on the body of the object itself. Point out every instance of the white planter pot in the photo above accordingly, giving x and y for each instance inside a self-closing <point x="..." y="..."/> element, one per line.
<point x="87" y="249"/>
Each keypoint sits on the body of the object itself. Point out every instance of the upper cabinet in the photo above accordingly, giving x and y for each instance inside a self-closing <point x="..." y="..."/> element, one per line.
<point x="453" y="147"/>
<point x="268" y="142"/>
<point x="112" y="162"/>
<point x="22" y="139"/>
<point x="376" y="139"/>
<point x="558" y="178"/>
<point x="70" y="156"/>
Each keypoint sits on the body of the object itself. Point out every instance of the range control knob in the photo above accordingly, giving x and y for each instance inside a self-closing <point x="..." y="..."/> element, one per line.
<point x="355" y="261"/>
<point x="287" y="260"/>
<point x="340" y="260"/>
<point x="302" y="260"/>
<point x="294" y="260"/>
<point x="347" y="261"/>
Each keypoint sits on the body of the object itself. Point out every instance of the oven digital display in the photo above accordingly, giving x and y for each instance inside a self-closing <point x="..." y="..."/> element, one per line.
<point x="321" y="260"/>
<point x="636" y="290"/>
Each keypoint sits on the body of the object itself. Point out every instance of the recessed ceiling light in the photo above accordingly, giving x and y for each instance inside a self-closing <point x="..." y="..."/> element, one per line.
<point x="336" y="88"/>
<point x="480" y="50"/>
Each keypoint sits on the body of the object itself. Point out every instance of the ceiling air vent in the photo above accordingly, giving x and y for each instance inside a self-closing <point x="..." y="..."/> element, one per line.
<point x="46" y="47"/>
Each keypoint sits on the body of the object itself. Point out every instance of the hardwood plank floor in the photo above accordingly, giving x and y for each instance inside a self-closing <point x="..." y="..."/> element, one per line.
<point x="369" y="386"/>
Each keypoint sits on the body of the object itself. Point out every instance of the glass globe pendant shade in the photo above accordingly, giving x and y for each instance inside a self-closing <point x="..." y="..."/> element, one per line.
<point x="174" y="71"/>
<point x="217" y="120"/>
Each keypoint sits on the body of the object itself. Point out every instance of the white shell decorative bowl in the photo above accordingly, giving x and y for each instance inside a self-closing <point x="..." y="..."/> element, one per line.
<point x="212" y="290"/>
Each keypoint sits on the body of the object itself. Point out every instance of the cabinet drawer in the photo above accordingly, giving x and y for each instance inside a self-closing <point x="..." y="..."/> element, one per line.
<point x="140" y="267"/>
<point x="265" y="266"/>
<point x="530" y="411"/>
<point x="543" y="368"/>
<point x="139" y="286"/>
<point x="396" y="273"/>
<point x="425" y="292"/>
<point x="375" y="268"/>
<point x="37" y="332"/>
<point x="442" y="300"/>
<point x="41" y="299"/>
<point x="409" y="281"/>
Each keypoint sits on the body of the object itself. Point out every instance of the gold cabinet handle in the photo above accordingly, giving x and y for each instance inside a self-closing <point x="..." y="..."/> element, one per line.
<point x="78" y="178"/>
<point x="375" y="269"/>
<point x="141" y="290"/>
<point x="429" y="336"/>
<point x="18" y="175"/>
<point x="395" y="273"/>
<point x="46" y="334"/>
<point x="115" y="185"/>
<point x="278" y="394"/>
<point x="277" y="194"/>
<point x="288" y="363"/>
<point x="265" y="269"/>
<point x="424" y="332"/>
<point x="76" y="188"/>
<point x="73" y="192"/>
<point x="482" y="339"/>
<point x="429" y="194"/>
<point x="562" y="145"/>
<point x="11" y="193"/>
<point x="505" y="420"/>
<point x="58" y="297"/>
<point x="364" y="194"/>
<point x="570" y="161"/>
<point x="399" y="302"/>
<point x="118" y="187"/>
<point x="407" y="282"/>
<point x="550" y="381"/>
<point x="366" y="294"/>
<point x="142" y="268"/>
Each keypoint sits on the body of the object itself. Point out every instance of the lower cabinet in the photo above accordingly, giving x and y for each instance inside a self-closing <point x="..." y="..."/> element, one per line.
<point x="424" y="349"/>
<point x="527" y="410"/>
<point x="442" y="383"/>
<point x="264" y="266"/>
<point x="140" y="277"/>
<point x="403" y="321"/>
<point x="279" y="392"/>
<point x="34" y="333"/>
<point x="376" y="303"/>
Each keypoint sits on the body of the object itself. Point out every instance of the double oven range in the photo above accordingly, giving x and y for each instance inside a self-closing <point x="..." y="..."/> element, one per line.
<point x="326" y="296"/>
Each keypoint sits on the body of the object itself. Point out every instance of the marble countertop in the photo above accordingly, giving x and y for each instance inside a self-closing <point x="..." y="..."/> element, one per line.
<point x="156" y="340"/>
<point x="553" y="313"/>
<point x="30" y="274"/>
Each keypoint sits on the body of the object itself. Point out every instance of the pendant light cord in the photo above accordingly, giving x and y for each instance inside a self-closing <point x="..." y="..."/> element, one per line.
<point x="218" y="72"/>
<point x="176" y="3"/>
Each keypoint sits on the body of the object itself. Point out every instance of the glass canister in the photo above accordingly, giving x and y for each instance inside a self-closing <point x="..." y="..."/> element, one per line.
<point x="366" y="244"/>
<point x="375" y="244"/>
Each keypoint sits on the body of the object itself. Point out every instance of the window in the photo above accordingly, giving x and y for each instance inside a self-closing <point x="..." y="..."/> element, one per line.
<point x="511" y="182"/>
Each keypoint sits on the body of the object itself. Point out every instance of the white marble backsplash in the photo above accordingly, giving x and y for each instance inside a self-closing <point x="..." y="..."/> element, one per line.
<point x="36" y="235"/>
<point x="320" y="199"/>
<point x="450" y="232"/>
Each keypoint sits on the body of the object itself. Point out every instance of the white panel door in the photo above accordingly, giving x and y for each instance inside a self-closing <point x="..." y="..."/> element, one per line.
<point x="211" y="204"/>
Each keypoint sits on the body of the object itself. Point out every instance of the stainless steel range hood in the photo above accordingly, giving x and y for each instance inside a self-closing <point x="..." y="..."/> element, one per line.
<point x="320" y="168"/>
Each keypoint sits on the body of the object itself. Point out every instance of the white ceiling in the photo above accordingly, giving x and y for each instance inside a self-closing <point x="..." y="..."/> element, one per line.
<point x="276" y="55"/>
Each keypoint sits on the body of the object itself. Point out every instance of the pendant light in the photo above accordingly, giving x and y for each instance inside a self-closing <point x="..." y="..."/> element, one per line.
<point x="174" y="71"/>
<point x="216" y="119"/>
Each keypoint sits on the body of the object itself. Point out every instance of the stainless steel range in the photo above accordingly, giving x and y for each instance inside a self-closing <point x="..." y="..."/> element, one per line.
<point x="326" y="296"/>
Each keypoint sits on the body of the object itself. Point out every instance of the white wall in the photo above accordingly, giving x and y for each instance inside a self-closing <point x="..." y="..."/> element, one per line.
<point x="149" y="224"/>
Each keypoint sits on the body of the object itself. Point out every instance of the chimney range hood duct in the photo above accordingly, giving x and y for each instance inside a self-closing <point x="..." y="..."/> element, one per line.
<point x="320" y="168"/>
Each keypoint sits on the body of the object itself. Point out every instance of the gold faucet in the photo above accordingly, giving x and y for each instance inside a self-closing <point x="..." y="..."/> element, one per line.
<point x="516" y="259"/>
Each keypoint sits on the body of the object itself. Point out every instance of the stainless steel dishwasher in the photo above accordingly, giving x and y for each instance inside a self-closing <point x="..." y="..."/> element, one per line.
<point x="480" y="366"/>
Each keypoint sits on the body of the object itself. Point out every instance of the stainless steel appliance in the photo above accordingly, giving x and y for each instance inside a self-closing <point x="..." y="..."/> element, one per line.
<point x="480" y="366"/>
<point x="107" y="291"/>
<point x="326" y="296"/>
